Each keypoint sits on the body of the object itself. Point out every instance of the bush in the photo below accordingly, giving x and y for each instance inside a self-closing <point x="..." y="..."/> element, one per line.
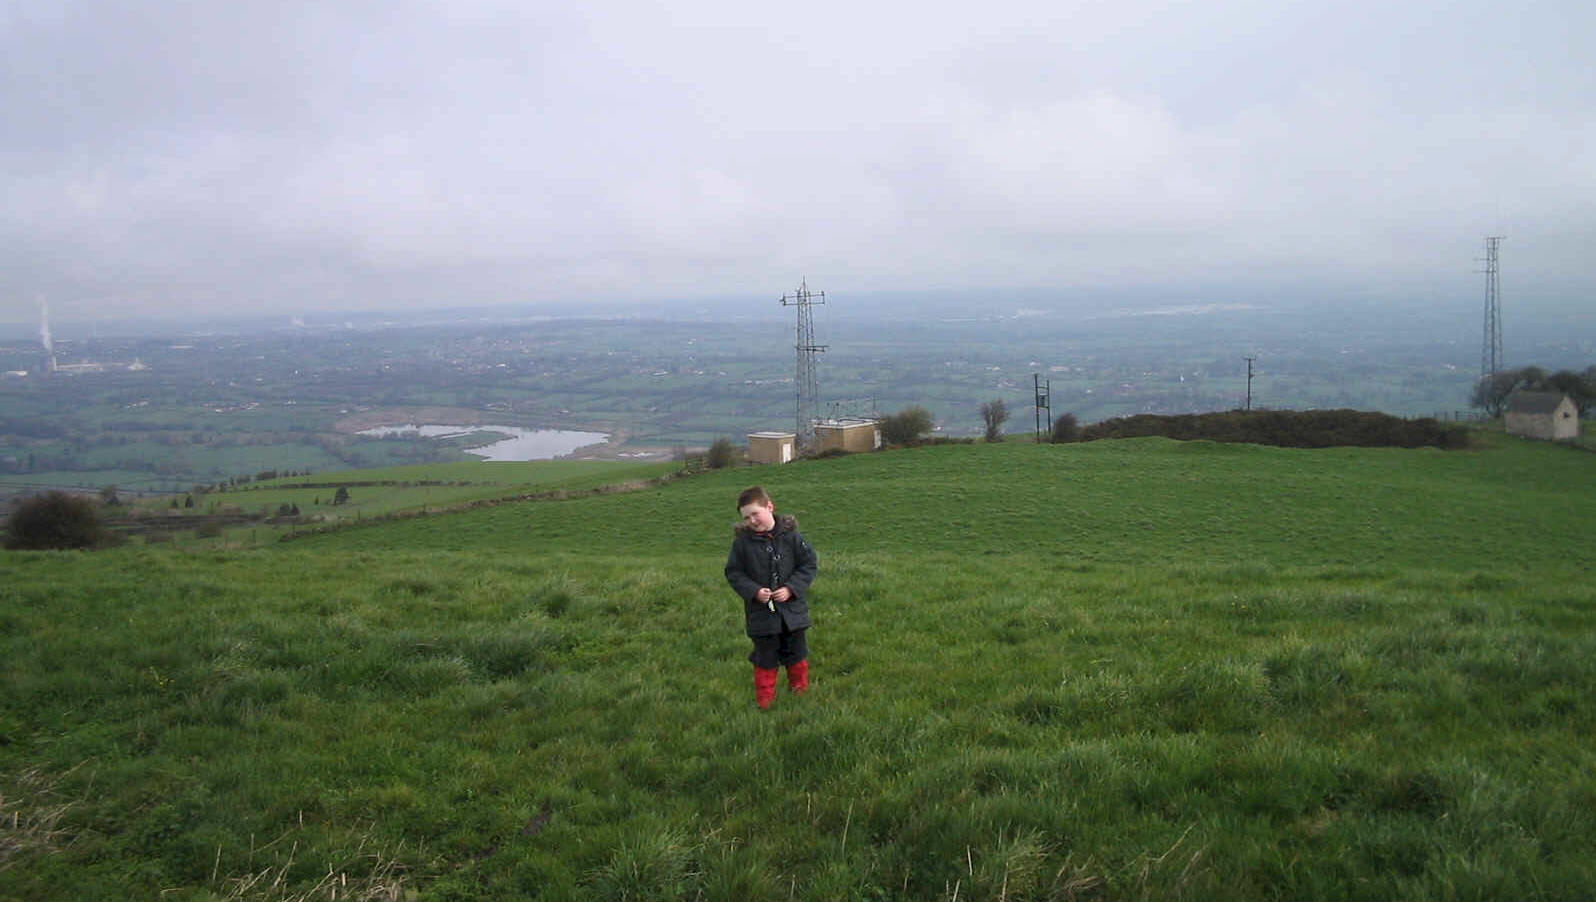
<point x="722" y="453"/>
<point x="54" y="520"/>
<point x="906" y="426"/>
<point x="1066" y="429"/>
<point x="994" y="414"/>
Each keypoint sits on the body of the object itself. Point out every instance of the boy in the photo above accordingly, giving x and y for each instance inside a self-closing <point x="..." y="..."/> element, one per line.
<point x="770" y="568"/>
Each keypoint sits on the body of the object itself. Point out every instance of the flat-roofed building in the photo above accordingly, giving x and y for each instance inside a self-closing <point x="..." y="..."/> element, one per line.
<point x="771" y="447"/>
<point x="848" y="435"/>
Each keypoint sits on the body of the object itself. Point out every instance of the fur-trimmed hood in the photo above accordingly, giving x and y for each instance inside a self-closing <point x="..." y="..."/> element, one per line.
<point x="784" y="523"/>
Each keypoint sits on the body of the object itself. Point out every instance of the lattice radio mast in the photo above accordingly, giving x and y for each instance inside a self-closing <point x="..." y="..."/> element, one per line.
<point x="1043" y="390"/>
<point x="807" y="385"/>
<point x="1491" y="359"/>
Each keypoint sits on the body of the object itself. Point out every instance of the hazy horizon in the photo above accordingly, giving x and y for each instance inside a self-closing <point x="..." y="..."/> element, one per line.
<point x="1258" y="317"/>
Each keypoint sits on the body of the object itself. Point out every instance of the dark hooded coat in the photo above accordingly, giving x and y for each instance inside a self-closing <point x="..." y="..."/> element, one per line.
<point x="781" y="558"/>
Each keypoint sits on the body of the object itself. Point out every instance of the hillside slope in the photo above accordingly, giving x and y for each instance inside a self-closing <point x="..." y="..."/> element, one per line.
<point x="1140" y="669"/>
<point x="1141" y="500"/>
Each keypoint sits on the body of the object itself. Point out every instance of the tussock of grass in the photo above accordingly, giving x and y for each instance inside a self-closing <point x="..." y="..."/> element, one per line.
<point x="361" y="877"/>
<point x="31" y="812"/>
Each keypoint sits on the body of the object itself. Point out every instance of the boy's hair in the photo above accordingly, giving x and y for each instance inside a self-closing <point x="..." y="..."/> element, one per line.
<point x="751" y="495"/>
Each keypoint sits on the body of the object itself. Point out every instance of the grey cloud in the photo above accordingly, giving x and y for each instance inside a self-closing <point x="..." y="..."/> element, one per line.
<point x="298" y="156"/>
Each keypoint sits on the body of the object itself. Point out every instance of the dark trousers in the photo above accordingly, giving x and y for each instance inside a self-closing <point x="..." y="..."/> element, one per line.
<point x="781" y="650"/>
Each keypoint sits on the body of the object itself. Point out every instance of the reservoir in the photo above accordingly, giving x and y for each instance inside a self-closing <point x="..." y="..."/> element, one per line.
<point x="523" y="444"/>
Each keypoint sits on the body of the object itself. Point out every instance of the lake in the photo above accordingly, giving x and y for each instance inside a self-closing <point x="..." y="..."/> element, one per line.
<point x="523" y="444"/>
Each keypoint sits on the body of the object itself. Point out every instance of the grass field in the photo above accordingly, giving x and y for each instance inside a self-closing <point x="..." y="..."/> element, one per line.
<point x="1121" y="670"/>
<point x="378" y="494"/>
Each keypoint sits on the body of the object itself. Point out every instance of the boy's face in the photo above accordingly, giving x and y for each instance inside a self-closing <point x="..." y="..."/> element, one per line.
<point x="759" y="516"/>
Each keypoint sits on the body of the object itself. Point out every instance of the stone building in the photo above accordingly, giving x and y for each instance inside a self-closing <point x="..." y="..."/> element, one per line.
<point x="1543" y="414"/>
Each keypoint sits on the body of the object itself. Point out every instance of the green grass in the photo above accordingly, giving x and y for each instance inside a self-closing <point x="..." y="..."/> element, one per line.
<point x="392" y="491"/>
<point x="1123" y="670"/>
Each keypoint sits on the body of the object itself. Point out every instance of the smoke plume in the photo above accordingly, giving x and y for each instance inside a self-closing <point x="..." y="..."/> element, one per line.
<point x="44" y="327"/>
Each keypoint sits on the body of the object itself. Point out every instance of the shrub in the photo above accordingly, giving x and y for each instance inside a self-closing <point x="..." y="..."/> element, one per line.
<point x="1066" y="429"/>
<point x="54" y="520"/>
<point x="721" y="454"/>
<point x="906" y="426"/>
<point x="994" y="414"/>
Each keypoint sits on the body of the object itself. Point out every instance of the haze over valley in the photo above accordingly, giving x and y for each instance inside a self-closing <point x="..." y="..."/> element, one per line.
<point x="164" y="412"/>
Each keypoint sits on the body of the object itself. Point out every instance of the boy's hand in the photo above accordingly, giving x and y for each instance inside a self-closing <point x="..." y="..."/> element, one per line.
<point x="781" y="595"/>
<point x="762" y="595"/>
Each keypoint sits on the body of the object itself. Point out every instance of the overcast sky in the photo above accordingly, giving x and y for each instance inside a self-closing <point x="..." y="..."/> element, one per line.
<point x="194" y="156"/>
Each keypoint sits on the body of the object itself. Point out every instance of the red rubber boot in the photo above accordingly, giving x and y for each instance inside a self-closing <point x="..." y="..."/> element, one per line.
<point x="798" y="677"/>
<point x="764" y="687"/>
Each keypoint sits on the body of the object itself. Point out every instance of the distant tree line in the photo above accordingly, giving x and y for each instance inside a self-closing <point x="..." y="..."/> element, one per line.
<point x="912" y="425"/>
<point x="1491" y="393"/>
<point x="1288" y="429"/>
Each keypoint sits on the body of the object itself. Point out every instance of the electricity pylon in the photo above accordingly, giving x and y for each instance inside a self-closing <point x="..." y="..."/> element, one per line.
<point x="807" y="384"/>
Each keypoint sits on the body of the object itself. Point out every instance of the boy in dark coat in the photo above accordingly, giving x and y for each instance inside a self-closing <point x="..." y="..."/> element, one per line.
<point x="770" y="568"/>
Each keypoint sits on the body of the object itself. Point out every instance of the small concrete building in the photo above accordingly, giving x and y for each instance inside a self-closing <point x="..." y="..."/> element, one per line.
<point x="848" y="435"/>
<point x="771" y="447"/>
<point x="1543" y="414"/>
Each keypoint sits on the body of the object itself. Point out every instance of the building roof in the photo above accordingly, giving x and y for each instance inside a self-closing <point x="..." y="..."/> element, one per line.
<point x="1534" y="401"/>
<point x="772" y="435"/>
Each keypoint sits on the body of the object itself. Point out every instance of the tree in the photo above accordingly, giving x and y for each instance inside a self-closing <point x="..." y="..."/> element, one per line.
<point x="906" y="426"/>
<point x="1490" y="393"/>
<point x="54" y="520"/>
<point x="721" y="454"/>
<point x="1579" y="388"/>
<point x="111" y="496"/>
<point x="341" y="496"/>
<point x="994" y="413"/>
<point x="1066" y="429"/>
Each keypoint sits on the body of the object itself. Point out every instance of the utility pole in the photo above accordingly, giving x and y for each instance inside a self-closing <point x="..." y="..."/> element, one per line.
<point x="1249" y="380"/>
<point x="806" y="384"/>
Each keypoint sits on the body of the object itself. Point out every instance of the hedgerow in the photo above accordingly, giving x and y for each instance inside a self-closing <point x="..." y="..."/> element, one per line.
<point x="1288" y="429"/>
